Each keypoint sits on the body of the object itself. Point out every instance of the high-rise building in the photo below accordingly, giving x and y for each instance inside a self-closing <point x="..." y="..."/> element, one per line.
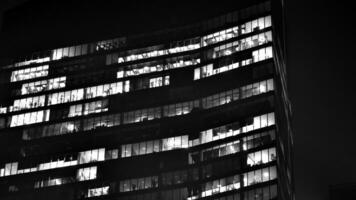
<point x="193" y="112"/>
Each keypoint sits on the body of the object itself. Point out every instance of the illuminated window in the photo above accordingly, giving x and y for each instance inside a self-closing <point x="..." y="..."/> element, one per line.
<point x="29" y="118"/>
<point x="27" y="103"/>
<point x="88" y="173"/>
<point x="98" y="191"/>
<point x="69" y="52"/>
<point x="75" y="110"/>
<point x="91" y="156"/>
<point x="259" y="176"/>
<point x="220" y="186"/>
<point x="38" y="86"/>
<point x="29" y="73"/>
<point x="64" y="97"/>
<point x="261" y="157"/>
<point x="96" y="107"/>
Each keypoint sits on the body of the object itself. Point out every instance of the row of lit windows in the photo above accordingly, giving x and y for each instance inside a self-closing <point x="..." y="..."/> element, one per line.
<point x="153" y="113"/>
<point x="250" y="26"/>
<point x="243" y="44"/>
<point x="96" y="155"/>
<point x="220" y="150"/>
<point x="209" y="188"/>
<point x="75" y="95"/>
<point x="94" y="192"/>
<point x="110" y="44"/>
<point x="90" y="173"/>
<point x="29" y="73"/>
<point x="233" y="182"/>
<point x="233" y="129"/>
<point x="166" y="144"/>
<point x="69" y="51"/>
<point x="148" y="147"/>
<point x="259" y="176"/>
<point x="39" y="86"/>
<point x="27" y="103"/>
<point x="234" y="147"/>
<point x="154" y="66"/>
<point x="114" y="88"/>
<point x="207" y="102"/>
<point x="29" y="118"/>
<point x="264" y="193"/>
<point x="71" y="127"/>
<point x="118" y="42"/>
<point x="83" y="174"/>
<point x="192" y="44"/>
<point x="72" y="51"/>
<point x="210" y="70"/>
<point x="176" y="47"/>
<point x="220" y="186"/>
<point x="32" y="61"/>
<point x="53" y="181"/>
<point x="88" y="108"/>
<point x="236" y="94"/>
<point x="89" y="92"/>
<point x="108" y="89"/>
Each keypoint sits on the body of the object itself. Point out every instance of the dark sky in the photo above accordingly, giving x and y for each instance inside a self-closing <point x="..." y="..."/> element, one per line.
<point x="321" y="38"/>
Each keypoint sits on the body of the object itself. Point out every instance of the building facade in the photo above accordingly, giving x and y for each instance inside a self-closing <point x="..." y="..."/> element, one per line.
<point x="194" y="112"/>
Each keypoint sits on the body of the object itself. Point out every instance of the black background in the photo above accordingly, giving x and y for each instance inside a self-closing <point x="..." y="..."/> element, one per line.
<point x="321" y="70"/>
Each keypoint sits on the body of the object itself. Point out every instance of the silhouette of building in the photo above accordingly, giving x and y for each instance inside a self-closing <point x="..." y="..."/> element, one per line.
<point x="198" y="111"/>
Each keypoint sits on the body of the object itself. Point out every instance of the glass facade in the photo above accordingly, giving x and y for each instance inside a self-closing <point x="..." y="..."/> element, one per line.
<point x="192" y="116"/>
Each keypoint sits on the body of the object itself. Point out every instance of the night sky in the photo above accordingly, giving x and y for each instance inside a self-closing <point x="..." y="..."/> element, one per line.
<point x="320" y="39"/>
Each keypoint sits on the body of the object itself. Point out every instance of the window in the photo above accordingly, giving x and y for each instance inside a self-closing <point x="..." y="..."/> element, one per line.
<point x="69" y="51"/>
<point x="96" y="107"/>
<point x="262" y="54"/>
<point x="27" y="103"/>
<point x="29" y="73"/>
<point x="142" y="115"/>
<point x="267" y="192"/>
<point x="38" y="86"/>
<point x="220" y="186"/>
<point x="94" y="192"/>
<point x="161" y="65"/>
<point x="261" y="157"/>
<point x="101" y="121"/>
<point x="259" y="176"/>
<point x="156" y="82"/>
<point x="138" y="184"/>
<point x="64" y="97"/>
<point x="31" y="61"/>
<point x="88" y="173"/>
<point x="148" y="147"/>
<point x="29" y="118"/>
<point x="91" y="156"/>
<point x="75" y="110"/>
<point x="216" y="152"/>
<point x="154" y="51"/>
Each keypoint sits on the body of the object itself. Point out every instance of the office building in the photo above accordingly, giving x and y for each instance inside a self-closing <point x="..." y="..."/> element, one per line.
<point x="193" y="112"/>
